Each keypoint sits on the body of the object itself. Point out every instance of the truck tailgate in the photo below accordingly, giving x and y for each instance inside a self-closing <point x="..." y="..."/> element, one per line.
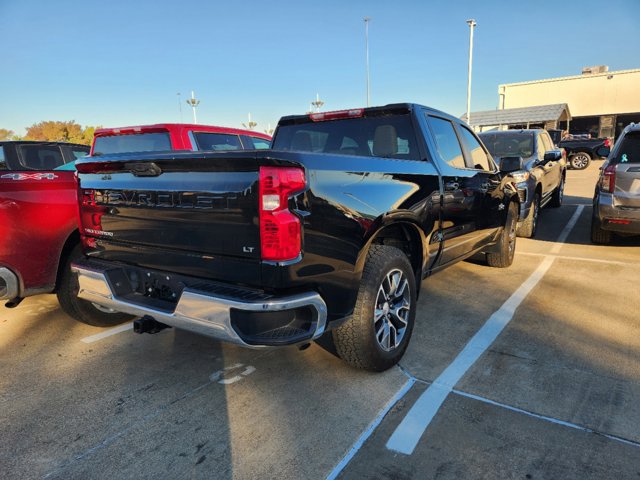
<point x="194" y="213"/>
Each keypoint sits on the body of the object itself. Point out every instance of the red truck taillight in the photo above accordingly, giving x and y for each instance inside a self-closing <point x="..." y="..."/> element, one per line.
<point x="280" y="229"/>
<point x="608" y="181"/>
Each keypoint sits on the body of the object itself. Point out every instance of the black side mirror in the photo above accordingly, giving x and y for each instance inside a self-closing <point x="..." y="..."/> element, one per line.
<point x="511" y="164"/>
<point x="552" y="155"/>
<point x="603" y="151"/>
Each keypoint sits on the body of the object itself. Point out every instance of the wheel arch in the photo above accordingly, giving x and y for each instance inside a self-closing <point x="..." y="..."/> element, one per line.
<point x="70" y="243"/>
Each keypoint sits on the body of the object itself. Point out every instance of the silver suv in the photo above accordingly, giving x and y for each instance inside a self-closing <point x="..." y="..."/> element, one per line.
<point x="616" y="203"/>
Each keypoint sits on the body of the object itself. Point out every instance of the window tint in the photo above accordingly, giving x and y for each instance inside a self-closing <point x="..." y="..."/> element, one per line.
<point x="447" y="142"/>
<point x="479" y="158"/>
<point x="141" y="142"/>
<point x="629" y="151"/>
<point x="389" y="136"/>
<point x="39" y="157"/>
<point x="3" y="162"/>
<point x="217" y="141"/>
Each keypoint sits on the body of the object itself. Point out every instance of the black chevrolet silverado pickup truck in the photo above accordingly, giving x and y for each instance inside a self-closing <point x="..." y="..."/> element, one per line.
<point x="329" y="234"/>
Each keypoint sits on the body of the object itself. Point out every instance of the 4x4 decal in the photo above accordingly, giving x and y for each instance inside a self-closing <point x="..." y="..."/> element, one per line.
<point x="30" y="176"/>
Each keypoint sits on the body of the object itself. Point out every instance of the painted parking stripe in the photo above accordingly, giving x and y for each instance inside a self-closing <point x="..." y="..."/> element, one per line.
<point x="407" y="434"/>
<point x="546" y="418"/>
<point x="372" y="426"/>
<point x="579" y="259"/>
<point x="107" y="333"/>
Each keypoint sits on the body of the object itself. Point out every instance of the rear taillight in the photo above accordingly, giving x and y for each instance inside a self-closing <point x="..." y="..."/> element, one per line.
<point x="607" y="142"/>
<point x="608" y="180"/>
<point x="90" y="218"/>
<point x="280" y="229"/>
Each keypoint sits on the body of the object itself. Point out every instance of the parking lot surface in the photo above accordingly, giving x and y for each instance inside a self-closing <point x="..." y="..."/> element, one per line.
<point x="527" y="372"/>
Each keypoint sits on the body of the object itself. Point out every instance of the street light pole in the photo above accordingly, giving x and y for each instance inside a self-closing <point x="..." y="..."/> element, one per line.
<point x="472" y="24"/>
<point x="366" y="40"/>
<point x="179" y="106"/>
<point x="193" y="103"/>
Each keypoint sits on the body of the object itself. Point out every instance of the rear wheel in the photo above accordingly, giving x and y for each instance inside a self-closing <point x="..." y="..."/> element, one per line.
<point x="377" y="335"/>
<point x="598" y="235"/>
<point x="580" y="160"/>
<point x="82" y="310"/>
<point x="530" y="224"/>
<point x="506" y="247"/>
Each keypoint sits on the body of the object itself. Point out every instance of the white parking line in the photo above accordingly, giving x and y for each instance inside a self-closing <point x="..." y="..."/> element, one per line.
<point x="372" y="426"/>
<point x="578" y="259"/>
<point x="545" y="418"/>
<point x="107" y="333"/>
<point x="407" y="434"/>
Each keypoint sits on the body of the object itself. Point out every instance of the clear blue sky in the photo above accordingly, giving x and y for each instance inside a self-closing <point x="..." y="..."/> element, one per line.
<point x="116" y="63"/>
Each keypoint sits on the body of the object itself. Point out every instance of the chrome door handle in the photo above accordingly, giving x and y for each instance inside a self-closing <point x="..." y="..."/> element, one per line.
<point x="451" y="186"/>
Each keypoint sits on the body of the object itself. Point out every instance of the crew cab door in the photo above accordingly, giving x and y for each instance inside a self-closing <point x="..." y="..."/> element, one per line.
<point x="468" y="212"/>
<point x="551" y="169"/>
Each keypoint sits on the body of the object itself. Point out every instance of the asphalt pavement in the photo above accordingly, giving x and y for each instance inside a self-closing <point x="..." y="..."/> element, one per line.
<point x="527" y="372"/>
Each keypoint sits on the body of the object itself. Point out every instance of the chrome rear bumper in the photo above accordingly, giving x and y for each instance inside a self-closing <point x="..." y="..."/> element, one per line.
<point x="204" y="312"/>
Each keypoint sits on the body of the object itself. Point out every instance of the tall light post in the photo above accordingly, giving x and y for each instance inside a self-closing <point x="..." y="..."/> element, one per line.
<point x="318" y="103"/>
<point x="472" y="24"/>
<point x="366" y="41"/>
<point x="179" y="106"/>
<point x="193" y="103"/>
<point x="250" y="124"/>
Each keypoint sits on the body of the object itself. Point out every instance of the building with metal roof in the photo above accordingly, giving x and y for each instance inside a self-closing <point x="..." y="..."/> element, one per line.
<point x="539" y="116"/>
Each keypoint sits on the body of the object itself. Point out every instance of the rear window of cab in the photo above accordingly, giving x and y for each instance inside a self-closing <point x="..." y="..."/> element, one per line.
<point x="629" y="150"/>
<point x="139" y="142"/>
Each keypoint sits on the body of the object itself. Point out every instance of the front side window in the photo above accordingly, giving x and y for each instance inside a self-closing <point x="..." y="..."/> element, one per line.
<point x="447" y="142"/>
<point x="3" y="162"/>
<point x="479" y="158"/>
<point x="546" y="141"/>
<point x="40" y="157"/>
<point x="141" y="142"/>
<point x="217" y="141"/>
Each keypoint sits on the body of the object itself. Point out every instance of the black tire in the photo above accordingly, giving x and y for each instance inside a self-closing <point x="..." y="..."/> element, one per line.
<point x="579" y="160"/>
<point x="529" y="225"/>
<point x="82" y="310"/>
<point x="361" y="340"/>
<point x="558" y="195"/>
<point x="506" y="247"/>
<point x="598" y="235"/>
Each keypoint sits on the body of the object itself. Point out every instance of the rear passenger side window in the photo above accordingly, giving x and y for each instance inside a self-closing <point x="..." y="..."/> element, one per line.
<point x="217" y="141"/>
<point x="37" y="157"/>
<point x="479" y="158"/>
<point x="447" y="141"/>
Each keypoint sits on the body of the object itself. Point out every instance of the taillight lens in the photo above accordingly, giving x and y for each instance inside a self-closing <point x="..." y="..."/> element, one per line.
<point x="280" y="229"/>
<point x="607" y="142"/>
<point x="608" y="182"/>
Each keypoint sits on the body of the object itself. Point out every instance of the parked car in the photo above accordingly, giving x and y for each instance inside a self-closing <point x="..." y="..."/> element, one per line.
<point x="542" y="173"/>
<point x="327" y="235"/>
<point x="616" y="202"/>
<point x="38" y="205"/>
<point x="38" y="215"/>
<point x="581" y="149"/>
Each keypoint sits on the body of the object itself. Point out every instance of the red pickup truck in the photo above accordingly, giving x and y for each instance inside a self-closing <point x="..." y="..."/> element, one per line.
<point x="38" y="205"/>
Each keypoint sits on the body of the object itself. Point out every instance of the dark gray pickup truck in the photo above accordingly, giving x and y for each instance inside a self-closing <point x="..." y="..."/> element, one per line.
<point x="325" y="237"/>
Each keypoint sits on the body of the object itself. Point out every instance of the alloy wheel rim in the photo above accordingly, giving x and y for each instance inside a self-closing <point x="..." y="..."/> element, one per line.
<point x="512" y="236"/>
<point x="580" y="161"/>
<point x="392" y="309"/>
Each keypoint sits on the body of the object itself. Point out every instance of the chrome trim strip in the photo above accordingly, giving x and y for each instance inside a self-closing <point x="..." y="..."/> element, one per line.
<point x="196" y="311"/>
<point x="10" y="290"/>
